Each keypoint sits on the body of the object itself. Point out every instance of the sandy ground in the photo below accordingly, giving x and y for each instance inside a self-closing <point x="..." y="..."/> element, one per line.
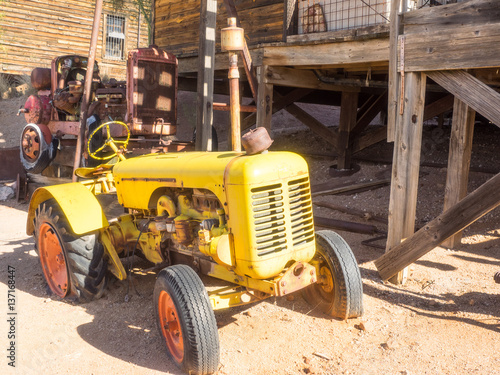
<point x="445" y="320"/>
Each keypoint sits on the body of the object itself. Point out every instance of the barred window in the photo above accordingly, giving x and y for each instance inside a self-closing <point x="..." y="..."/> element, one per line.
<point x="115" y="37"/>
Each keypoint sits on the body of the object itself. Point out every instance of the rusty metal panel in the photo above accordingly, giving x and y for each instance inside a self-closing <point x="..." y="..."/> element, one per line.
<point x="10" y="164"/>
<point x="152" y="91"/>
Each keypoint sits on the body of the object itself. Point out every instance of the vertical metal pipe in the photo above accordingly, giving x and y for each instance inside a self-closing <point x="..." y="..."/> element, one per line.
<point x="88" y="86"/>
<point x="234" y="99"/>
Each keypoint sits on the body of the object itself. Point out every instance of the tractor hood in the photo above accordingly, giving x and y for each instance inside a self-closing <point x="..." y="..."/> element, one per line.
<point x="137" y="179"/>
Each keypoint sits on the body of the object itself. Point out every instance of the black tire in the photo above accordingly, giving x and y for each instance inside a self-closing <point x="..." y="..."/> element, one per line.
<point x="192" y="320"/>
<point x="83" y="255"/>
<point x="339" y="290"/>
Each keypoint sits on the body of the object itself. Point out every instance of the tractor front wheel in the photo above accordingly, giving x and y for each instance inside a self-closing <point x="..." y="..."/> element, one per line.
<point x="73" y="266"/>
<point x="339" y="289"/>
<point x="186" y="321"/>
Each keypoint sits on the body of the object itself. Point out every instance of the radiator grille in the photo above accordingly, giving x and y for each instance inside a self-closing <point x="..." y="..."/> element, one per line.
<point x="299" y="196"/>
<point x="269" y="219"/>
<point x="272" y="215"/>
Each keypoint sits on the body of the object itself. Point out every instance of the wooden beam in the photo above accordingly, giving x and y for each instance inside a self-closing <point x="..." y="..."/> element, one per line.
<point x="315" y="125"/>
<point x="405" y="167"/>
<point x="302" y="78"/>
<point x="347" y="122"/>
<point x="455" y="219"/>
<point x="264" y="99"/>
<point x="368" y="139"/>
<point x="438" y="107"/>
<point x="279" y="102"/>
<point x="458" y="47"/>
<point x="457" y="176"/>
<point x="349" y="52"/>
<point x="368" y="113"/>
<point x="393" y="84"/>
<point x="471" y="91"/>
<point x="472" y="12"/>
<point x="205" y="87"/>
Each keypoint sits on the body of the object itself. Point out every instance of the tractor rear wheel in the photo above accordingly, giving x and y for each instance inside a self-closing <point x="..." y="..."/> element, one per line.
<point x="73" y="266"/>
<point x="186" y="321"/>
<point x="339" y="289"/>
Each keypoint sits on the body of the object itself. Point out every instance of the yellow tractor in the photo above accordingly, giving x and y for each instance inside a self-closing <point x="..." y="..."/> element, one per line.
<point x="242" y="217"/>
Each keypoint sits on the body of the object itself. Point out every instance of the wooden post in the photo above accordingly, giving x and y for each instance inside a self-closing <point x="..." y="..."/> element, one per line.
<point x="406" y="164"/>
<point x="457" y="177"/>
<point x="348" y="118"/>
<point x="393" y="71"/>
<point x="87" y="88"/>
<point x="206" y="64"/>
<point x="455" y="219"/>
<point x="264" y="99"/>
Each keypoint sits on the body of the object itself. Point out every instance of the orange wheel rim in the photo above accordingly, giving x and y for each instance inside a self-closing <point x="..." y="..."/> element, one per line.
<point x="53" y="260"/>
<point x="30" y="144"/>
<point x="170" y="326"/>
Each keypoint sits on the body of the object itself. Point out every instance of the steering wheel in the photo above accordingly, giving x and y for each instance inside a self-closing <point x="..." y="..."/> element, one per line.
<point x="110" y="141"/>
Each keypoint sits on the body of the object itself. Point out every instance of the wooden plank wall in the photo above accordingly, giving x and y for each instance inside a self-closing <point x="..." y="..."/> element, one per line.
<point x="33" y="32"/>
<point x="177" y="23"/>
<point x="456" y="36"/>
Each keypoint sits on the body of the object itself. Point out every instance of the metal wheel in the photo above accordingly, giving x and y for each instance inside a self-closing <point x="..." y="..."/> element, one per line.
<point x="36" y="148"/>
<point x="186" y="321"/>
<point x="53" y="259"/>
<point x="339" y="289"/>
<point x="73" y="266"/>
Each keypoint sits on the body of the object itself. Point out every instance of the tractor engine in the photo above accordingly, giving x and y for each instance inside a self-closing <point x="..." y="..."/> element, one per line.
<point x="251" y="214"/>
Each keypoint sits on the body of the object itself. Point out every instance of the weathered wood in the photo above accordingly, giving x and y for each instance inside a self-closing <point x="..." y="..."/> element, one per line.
<point x="367" y="32"/>
<point x="289" y="77"/>
<point x="367" y="113"/>
<point x="348" y="226"/>
<point x="393" y="84"/>
<point x="177" y="23"/>
<point x="264" y="99"/>
<point x="205" y="89"/>
<point x="328" y="54"/>
<point x="405" y="168"/>
<point x="457" y="176"/>
<point x="59" y="28"/>
<point x="458" y="47"/>
<point x="315" y="125"/>
<point x="279" y="102"/>
<point x="456" y="218"/>
<point x="352" y="211"/>
<point x="366" y="140"/>
<point x="472" y="12"/>
<point x="344" y="188"/>
<point x="471" y="91"/>
<point x="347" y="122"/>
<point x="438" y="107"/>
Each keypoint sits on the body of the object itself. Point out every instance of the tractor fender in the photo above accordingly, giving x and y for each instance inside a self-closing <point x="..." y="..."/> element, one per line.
<point x="79" y="205"/>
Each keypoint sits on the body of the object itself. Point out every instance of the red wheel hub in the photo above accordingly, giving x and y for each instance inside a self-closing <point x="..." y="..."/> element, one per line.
<point x="53" y="260"/>
<point x="170" y="326"/>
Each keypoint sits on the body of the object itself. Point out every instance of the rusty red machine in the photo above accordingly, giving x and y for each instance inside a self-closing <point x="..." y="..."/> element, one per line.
<point x="146" y="102"/>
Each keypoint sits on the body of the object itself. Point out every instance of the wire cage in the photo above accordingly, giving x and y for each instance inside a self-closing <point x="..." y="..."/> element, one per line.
<point x="316" y="16"/>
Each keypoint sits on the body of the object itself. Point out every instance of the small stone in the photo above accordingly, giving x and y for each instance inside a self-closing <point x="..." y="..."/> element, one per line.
<point x="472" y="302"/>
<point x="364" y="326"/>
<point x="384" y="346"/>
<point x="6" y="193"/>
<point x="247" y="313"/>
<point x="290" y="298"/>
<point x="306" y="360"/>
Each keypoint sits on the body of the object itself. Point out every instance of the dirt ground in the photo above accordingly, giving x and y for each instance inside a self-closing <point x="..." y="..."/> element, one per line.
<point x="445" y="320"/>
